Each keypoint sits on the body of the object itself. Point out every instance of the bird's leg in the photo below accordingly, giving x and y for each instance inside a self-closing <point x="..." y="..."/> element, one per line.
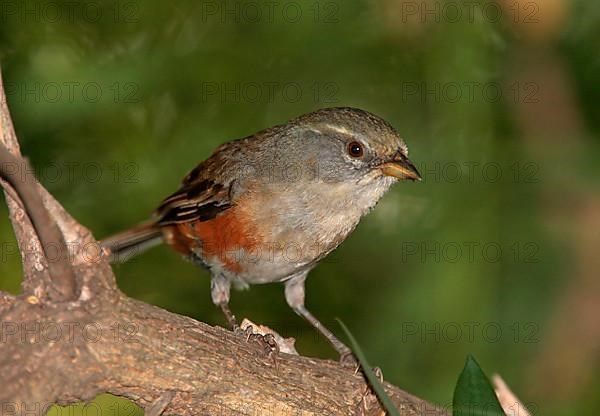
<point x="294" y="295"/>
<point x="220" y="288"/>
<point x="229" y="316"/>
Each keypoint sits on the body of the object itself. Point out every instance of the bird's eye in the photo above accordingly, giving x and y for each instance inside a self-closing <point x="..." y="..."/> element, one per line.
<point x="355" y="149"/>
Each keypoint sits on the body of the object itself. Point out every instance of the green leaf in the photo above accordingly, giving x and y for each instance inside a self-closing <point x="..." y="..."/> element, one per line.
<point x="474" y="395"/>
<point x="371" y="377"/>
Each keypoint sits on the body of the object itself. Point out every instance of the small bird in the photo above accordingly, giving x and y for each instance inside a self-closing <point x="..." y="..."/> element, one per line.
<point x="268" y="207"/>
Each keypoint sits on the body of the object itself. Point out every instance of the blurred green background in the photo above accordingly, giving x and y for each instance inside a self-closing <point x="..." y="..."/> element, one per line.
<point x="495" y="253"/>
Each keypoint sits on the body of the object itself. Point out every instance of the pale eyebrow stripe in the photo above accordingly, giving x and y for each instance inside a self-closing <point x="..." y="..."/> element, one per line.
<point x="348" y="133"/>
<point x="339" y="129"/>
<point x="315" y="130"/>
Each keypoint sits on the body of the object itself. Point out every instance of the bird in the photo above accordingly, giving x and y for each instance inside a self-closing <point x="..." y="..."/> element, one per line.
<point x="268" y="207"/>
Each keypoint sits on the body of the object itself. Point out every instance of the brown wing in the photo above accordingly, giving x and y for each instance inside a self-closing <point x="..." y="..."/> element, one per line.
<point x="198" y="198"/>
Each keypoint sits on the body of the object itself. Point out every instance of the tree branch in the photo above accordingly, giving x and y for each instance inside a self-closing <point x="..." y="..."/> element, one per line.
<point x="13" y="170"/>
<point x="53" y="351"/>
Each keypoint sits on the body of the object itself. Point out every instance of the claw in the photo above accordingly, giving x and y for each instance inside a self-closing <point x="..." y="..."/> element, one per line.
<point x="248" y="332"/>
<point x="349" y="360"/>
<point x="378" y="373"/>
<point x="266" y="342"/>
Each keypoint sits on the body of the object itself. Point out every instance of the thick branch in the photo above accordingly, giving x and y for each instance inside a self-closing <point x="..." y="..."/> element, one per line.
<point x="13" y="170"/>
<point x="136" y="350"/>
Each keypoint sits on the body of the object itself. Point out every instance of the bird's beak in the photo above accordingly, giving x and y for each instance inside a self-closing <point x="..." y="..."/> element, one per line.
<point x="402" y="168"/>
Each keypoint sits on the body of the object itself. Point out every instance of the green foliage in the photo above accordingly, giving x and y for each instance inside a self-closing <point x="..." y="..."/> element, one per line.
<point x="473" y="394"/>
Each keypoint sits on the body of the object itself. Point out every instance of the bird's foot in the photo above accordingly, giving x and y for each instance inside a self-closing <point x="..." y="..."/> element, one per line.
<point x="266" y="342"/>
<point x="237" y="330"/>
<point x="376" y="370"/>
<point x="378" y="373"/>
<point x="349" y="360"/>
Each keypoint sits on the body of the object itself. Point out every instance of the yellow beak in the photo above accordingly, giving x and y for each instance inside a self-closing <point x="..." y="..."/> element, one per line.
<point x="401" y="168"/>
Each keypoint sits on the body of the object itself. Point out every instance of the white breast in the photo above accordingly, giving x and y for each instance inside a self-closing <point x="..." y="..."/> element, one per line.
<point x="305" y="223"/>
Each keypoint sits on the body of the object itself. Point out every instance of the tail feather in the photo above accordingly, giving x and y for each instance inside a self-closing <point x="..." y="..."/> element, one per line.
<point x="131" y="242"/>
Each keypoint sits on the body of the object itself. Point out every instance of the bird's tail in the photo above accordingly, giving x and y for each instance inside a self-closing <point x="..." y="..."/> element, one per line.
<point x="131" y="242"/>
